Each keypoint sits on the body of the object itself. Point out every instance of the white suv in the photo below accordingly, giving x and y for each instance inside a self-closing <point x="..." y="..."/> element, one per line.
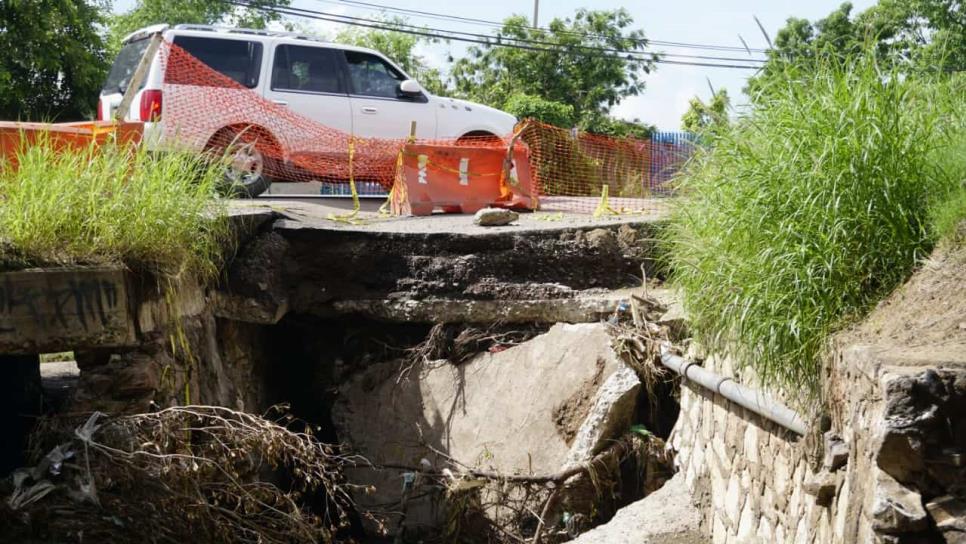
<point x="355" y="90"/>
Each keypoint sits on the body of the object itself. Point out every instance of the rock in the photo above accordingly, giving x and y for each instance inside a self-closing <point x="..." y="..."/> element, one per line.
<point x="822" y="486"/>
<point x="610" y="415"/>
<point x="948" y="512"/>
<point x="836" y="452"/>
<point x="667" y="516"/>
<point x="495" y="217"/>
<point x="534" y="408"/>
<point x="896" y="508"/>
<point x="603" y="240"/>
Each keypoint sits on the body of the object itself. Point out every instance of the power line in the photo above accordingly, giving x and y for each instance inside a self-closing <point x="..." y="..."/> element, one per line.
<point x="501" y="38"/>
<point x="479" y="38"/>
<point x="497" y="24"/>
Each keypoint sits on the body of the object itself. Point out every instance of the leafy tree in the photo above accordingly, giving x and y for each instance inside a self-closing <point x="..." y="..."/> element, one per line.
<point x="619" y="128"/>
<point x="205" y="12"/>
<point x="712" y="116"/>
<point x="800" y="42"/>
<point x="525" y="106"/>
<point x="53" y="60"/>
<point x="563" y="63"/>
<point x="915" y="35"/>
<point x="933" y="30"/>
<point x="400" y="47"/>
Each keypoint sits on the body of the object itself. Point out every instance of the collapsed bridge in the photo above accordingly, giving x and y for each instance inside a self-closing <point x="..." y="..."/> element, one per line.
<point x="451" y="356"/>
<point x="352" y="325"/>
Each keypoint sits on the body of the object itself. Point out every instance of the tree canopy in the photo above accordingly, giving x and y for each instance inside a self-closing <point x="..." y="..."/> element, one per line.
<point x="204" y="12"/>
<point x="916" y="36"/>
<point x="563" y="63"/>
<point x="53" y="61"/>
<point x="400" y="47"/>
<point x="702" y="117"/>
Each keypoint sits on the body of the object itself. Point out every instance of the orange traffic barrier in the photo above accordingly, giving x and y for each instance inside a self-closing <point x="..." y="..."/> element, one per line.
<point x="461" y="179"/>
<point x="14" y="137"/>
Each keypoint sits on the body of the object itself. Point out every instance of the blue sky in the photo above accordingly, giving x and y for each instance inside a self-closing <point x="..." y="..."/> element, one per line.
<point x="669" y="87"/>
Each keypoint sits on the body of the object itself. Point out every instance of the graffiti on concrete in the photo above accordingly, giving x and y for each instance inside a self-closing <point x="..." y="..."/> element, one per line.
<point x="79" y="301"/>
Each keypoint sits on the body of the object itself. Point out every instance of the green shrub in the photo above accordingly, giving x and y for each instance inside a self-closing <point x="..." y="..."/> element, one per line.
<point x="525" y="106"/>
<point x="618" y="128"/>
<point x="806" y="212"/>
<point x="157" y="213"/>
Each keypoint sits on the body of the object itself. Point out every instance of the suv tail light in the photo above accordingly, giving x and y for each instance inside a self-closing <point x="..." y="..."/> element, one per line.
<point x="151" y="105"/>
<point x="100" y="110"/>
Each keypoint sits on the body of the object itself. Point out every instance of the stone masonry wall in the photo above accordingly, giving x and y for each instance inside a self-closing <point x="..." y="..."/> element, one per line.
<point x="887" y="469"/>
<point x="750" y="473"/>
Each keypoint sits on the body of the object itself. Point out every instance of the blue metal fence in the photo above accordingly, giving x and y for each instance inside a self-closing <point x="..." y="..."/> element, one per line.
<point x="669" y="152"/>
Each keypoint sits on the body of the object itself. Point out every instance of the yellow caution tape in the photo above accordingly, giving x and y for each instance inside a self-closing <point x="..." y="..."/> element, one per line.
<point x="603" y="207"/>
<point x="351" y="216"/>
<point x="386" y="209"/>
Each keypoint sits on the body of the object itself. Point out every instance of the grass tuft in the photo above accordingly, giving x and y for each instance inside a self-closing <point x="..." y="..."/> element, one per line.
<point x="808" y="210"/>
<point x="157" y="213"/>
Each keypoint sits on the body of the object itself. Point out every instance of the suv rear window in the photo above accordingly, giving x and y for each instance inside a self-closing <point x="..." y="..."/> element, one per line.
<point x="240" y="60"/>
<point x="124" y="66"/>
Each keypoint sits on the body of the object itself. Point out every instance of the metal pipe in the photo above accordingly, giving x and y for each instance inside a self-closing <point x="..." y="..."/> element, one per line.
<point x="746" y="397"/>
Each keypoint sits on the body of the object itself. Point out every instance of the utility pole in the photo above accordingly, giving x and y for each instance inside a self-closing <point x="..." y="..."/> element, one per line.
<point x="536" y="11"/>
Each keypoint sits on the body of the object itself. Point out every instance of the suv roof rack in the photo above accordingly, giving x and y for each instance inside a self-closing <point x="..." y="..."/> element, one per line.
<point x="251" y="31"/>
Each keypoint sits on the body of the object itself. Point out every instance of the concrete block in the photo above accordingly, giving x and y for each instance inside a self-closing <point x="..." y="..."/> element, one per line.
<point x="535" y="408"/>
<point x="666" y="516"/>
<point x="48" y="310"/>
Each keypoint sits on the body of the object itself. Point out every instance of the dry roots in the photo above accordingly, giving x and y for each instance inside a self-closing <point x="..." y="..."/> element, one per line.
<point x="183" y="474"/>
<point x="458" y="343"/>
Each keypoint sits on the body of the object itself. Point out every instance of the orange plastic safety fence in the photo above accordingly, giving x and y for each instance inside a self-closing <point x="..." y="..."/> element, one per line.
<point x="591" y="173"/>
<point x="205" y="110"/>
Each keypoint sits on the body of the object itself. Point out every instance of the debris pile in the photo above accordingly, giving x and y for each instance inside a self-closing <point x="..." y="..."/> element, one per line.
<point x="489" y="434"/>
<point x="182" y="474"/>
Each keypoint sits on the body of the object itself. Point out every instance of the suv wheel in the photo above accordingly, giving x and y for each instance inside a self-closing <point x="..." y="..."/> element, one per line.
<point x="245" y="175"/>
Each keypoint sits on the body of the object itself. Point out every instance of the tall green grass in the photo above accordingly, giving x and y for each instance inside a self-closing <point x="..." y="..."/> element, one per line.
<point x="807" y="211"/>
<point x="157" y="213"/>
<point x="948" y="213"/>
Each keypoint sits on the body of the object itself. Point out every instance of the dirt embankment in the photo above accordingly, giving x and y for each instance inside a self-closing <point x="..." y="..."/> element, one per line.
<point x="927" y="311"/>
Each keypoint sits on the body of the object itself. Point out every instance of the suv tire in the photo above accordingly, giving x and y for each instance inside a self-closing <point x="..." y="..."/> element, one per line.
<point x="243" y="149"/>
<point x="245" y="175"/>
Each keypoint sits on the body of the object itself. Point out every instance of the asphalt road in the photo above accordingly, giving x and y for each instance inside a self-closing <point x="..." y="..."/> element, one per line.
<point x="301" y="203"/>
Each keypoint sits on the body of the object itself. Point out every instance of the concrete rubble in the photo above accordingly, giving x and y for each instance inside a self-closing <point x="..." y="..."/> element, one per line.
<point x="667" y="516"/>
<point x="494" y="217"/>
<point x="532" y="409"/>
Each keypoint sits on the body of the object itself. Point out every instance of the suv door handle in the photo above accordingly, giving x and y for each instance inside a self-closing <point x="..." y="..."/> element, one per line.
<point x="369" y="109"/>
<point x="281" y="102"/>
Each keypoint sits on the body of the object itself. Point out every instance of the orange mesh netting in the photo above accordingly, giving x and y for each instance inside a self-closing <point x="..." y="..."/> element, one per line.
<point x="584" y="172"/>
<point x="206" y="110"/>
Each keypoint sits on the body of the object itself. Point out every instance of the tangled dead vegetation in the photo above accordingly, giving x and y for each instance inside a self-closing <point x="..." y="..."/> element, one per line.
<point x="486" y="507"/>
<point x="182" y="474"/>
<point x="638" y="337"/>
<point x="458" y="343"/>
